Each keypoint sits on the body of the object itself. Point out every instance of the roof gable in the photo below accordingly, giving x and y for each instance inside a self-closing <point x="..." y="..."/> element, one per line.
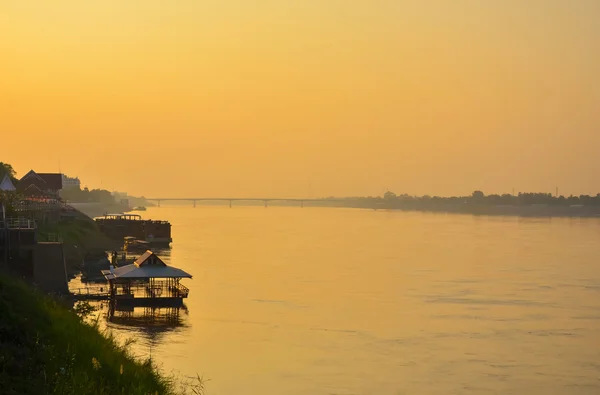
<point x="6" y="184"/>
<point x="149" y="258"/>
<point x="149" y="265"/>
<point x="52" y="181"/>
<point x="33" y="174"/>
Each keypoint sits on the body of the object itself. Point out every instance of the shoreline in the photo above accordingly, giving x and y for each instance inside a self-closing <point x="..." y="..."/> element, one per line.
<point x="541" y="211"/>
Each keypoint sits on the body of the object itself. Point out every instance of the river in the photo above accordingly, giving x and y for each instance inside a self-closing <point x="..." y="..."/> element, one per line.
<point x="289" y="300"/>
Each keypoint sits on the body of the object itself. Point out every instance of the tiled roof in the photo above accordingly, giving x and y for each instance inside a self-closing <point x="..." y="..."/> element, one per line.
<point x="54" y="180"/>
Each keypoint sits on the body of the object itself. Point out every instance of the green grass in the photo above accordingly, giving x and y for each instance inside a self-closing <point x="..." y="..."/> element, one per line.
<point x="80" y="231"/>
<point x="80" y="236"/>
<point x="45" y="348"/>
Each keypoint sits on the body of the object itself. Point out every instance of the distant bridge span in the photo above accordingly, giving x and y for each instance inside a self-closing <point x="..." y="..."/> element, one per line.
<point x="231" y="200"/>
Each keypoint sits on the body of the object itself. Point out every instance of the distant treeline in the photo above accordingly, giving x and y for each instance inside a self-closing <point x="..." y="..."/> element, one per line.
<point x="85" y="195"/>
<point x="476" y="199"/>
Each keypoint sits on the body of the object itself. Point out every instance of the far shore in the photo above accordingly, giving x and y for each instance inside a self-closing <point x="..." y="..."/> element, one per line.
<point x="475" y="209"/>
<point x="467" y="208"/>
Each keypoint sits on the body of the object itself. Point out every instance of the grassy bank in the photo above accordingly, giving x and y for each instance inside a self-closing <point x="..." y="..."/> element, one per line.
<point x="80" y="236"/>
<point x="79" y="230"/>
<point x="45" y="348"/>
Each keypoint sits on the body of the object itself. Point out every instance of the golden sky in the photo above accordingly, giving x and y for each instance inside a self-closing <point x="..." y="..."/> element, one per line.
<point x="268" y="97"/>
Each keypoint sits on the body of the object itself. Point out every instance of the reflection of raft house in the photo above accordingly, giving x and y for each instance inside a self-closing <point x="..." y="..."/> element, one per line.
<point x="118" y="226"/>
<point x="154" y="319"/>
<point x="148" y="281"/>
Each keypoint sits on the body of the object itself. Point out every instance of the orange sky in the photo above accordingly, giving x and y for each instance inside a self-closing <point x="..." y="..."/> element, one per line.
<point x="241" y="98"/>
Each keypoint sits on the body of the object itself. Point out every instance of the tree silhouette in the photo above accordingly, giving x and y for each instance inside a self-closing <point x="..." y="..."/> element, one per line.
<point x="478" y="195"/>
<point x="389" y="195"/>
<point x="6" y="168"/>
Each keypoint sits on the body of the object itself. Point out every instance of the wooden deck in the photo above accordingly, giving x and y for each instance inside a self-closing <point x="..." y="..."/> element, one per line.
<point x="159" y="292"/>
<point x="91" y="292"/>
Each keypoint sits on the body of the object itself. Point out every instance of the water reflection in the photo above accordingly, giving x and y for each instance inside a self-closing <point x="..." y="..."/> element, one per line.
<point x="157" y="318"/>
<point x="148" y="324"/>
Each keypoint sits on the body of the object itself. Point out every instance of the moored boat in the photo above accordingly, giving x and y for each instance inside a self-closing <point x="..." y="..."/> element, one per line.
<point x="119" y="226"/>
<point x="133" y="244"/>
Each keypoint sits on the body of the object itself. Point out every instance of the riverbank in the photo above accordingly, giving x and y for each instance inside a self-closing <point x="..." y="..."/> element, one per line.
<point x="48" y="347"/>
<point x="45" y="348"/>
<point x="516" y="211"/>
<point x="81" y="240"/>
<point x="533" y="210"/>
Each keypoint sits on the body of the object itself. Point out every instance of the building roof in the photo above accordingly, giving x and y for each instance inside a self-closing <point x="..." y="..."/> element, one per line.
<point x="31" y="173"/>
<point x="6" y="184"/>
<point x="52" y="181"/>
<point x="149" y="265"/>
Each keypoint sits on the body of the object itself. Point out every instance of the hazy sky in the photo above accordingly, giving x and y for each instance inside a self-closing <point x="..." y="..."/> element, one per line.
<point x="249" y="98"/>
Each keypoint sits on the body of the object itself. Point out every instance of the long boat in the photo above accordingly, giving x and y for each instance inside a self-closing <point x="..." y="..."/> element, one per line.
<point x="119" y="226"/>
<point x="131" y="244"/>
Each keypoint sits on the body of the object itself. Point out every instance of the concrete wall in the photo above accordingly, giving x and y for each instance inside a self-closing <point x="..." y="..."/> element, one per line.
<point x="17" y="247"/>
<point x="49" y="268"/>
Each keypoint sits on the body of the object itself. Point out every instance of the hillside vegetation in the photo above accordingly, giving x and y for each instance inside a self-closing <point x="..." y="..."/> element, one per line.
<point x="45" y="348"/>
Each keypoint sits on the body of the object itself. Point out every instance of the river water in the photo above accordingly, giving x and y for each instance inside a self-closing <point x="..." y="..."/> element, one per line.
<point x="289" y="300"/>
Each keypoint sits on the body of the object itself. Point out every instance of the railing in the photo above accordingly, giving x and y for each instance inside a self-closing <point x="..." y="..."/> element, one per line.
<point x="27" y="205"/>
<point x="97" y="291"/>
<point x="183" y="290"/>
<point x="156" y="221"/>
<point x="17" y="223"/>
<point x="156" y="290"/>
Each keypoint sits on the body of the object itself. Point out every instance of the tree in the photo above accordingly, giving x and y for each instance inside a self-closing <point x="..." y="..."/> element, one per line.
<point x="389" y="195"/>
<point x="9" y="199"/>
<point x="478" y="195"/>
<point x="6" y="168"/>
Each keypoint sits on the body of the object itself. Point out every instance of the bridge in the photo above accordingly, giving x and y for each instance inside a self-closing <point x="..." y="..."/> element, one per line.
<point x="300" y="201"/>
